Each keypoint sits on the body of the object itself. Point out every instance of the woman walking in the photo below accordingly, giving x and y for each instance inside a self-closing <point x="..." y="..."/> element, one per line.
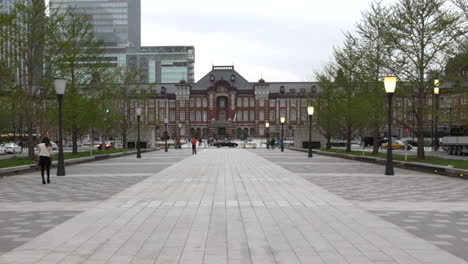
<point x="45" y="158"/>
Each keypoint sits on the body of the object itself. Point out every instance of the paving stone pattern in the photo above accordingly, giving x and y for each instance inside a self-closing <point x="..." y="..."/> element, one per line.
<point x="28" y="208"/>
<point x="226" y="206"/>
<point x="16" y="228"/>
<point x="445" y="230"/>
<point x="429" y="206"/>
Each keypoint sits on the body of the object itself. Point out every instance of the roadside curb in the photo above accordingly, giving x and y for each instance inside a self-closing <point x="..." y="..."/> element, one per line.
<point x="11" y="171"/>
<point x="417" y="166"/>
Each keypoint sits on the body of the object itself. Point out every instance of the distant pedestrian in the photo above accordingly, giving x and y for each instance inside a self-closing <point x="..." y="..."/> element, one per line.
<point x="45" y="158"/>
<point x="194" y="145"/>
<point x="272" y="143"/>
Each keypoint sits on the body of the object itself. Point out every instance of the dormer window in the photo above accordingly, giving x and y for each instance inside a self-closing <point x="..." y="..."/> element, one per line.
<point x="303" y="90"/>
<point x="212" y="78"/>
<point x="281" y="89"/>
<point x="314" y="89"/>
<point x="163" y="90"/>
<point x="233" y="78"/>
<point x="292" y="91"/>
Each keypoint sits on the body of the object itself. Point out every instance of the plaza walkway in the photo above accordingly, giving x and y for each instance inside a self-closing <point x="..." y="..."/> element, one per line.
<point x="220" y="206"/>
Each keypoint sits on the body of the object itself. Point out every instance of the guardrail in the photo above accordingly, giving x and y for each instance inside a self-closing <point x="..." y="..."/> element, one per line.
<point x="417" y="166"/>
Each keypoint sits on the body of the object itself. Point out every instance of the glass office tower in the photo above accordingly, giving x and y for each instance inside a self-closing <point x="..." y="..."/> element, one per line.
<point x="117" y="23"/>
<point x="164" y="64"/>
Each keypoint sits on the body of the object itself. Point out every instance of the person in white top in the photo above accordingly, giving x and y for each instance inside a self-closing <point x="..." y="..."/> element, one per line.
<point x="45" y="158"/>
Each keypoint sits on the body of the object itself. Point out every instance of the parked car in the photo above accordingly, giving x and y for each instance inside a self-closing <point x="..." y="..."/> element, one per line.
<point x="54" y="146"/>
<point x="11" y="148"/>
<point x="369" y="141"/>
<point x="397" y="144"/>
<point x="107" y="145"/>
<point x="225" y="143"/>
<point x="413" y="143"/>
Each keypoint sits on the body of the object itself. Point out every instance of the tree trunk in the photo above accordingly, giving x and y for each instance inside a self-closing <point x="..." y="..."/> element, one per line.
<point x="328" y="144"/>
<point x="74" y="140"/>
<point x="420" y="133"/>
<point x="31" y="143"/>
<point x="348" y="142"/>
<point x="375" y="150"/>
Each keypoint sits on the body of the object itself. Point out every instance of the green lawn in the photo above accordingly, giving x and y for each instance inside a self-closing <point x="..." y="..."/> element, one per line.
<point x="14" y="161"/>
<point x="462" y="164"/>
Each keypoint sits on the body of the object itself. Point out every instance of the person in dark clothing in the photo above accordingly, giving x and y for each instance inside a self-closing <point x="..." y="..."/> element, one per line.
<point x="45" y="158"/>
<point x="194" y="146"/>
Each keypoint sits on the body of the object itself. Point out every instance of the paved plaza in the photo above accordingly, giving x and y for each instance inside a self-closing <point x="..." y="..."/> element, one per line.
<point x="233" y="206"/>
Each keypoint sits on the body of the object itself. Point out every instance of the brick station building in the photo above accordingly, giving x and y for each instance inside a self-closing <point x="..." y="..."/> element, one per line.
<point x="224" y="104"/>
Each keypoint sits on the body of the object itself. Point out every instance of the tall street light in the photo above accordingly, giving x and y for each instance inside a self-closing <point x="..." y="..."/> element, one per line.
<point x="436" y="93"/>
<point x="267" y="125"/>
<point x="282" y="120"/>
<point x="310" y="111"/>
<point x="138" y="113"/>
<point x="60" y="84"/>
<point x="165" y="133"/>
<point x="180" y="133"/>
<point x="390" y="85"/>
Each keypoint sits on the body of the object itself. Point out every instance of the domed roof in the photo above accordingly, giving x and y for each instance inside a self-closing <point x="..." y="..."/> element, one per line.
<point x="261" y="80"/>
<point x="182" y="81"/>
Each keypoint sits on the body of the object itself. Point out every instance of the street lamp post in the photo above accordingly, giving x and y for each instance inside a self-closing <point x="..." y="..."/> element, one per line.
<point x="267" y="125"/>
<point x="310" y="111"/>
<point x="282" y="120"/>
<point x="138" y="113"/>
<point x="436" y="93"/>
<point x="165" y="133"/>
<point x="60" y="85"/>
<point x="390" y="84"/>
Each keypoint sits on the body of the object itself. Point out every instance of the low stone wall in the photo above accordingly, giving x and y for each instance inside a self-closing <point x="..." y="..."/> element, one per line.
<point x="10" y="171"/>
<point x="417" y="166"/>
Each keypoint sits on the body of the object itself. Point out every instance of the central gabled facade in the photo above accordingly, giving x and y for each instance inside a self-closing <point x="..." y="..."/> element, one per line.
<point x="224" y="104"/>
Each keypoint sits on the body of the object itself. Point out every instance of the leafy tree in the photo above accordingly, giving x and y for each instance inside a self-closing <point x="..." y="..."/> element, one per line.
<point x="77" y="56"/>
<point x="350" y="101"/>
<point x="326" y="114"/>
<point x="375" y="53"/>
<point x="26" y="31"/>
<point x="423" y="33"/>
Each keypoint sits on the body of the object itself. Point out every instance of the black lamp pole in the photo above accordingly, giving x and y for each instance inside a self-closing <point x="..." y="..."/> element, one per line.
<point x="61" y="163"/>
<point x="310" y="136"/>
<point x="389" y="165"/>
<point x="282" y="137"/>
<point x="390" y="85"/>
<point x="165" y="135"/>
<point x="138" y="138"/>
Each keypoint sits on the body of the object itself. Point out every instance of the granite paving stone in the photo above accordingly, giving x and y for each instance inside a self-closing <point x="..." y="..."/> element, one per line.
<point x="430" y="206"/>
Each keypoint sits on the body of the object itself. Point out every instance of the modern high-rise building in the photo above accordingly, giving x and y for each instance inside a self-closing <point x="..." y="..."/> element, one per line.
<point x="164" y="64"/>
<point x="116" y="22"/>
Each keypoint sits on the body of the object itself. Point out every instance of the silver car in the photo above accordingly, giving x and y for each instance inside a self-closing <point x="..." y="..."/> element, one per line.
<point x="11" y="148"/>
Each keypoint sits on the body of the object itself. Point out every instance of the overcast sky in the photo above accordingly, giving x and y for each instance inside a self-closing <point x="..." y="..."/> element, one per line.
<point x="283" y="40"/>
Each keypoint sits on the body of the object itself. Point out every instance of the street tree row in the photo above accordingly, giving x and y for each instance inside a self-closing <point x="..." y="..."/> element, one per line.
<point x="416" y="40"/>
<point x="38" y="45"/>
